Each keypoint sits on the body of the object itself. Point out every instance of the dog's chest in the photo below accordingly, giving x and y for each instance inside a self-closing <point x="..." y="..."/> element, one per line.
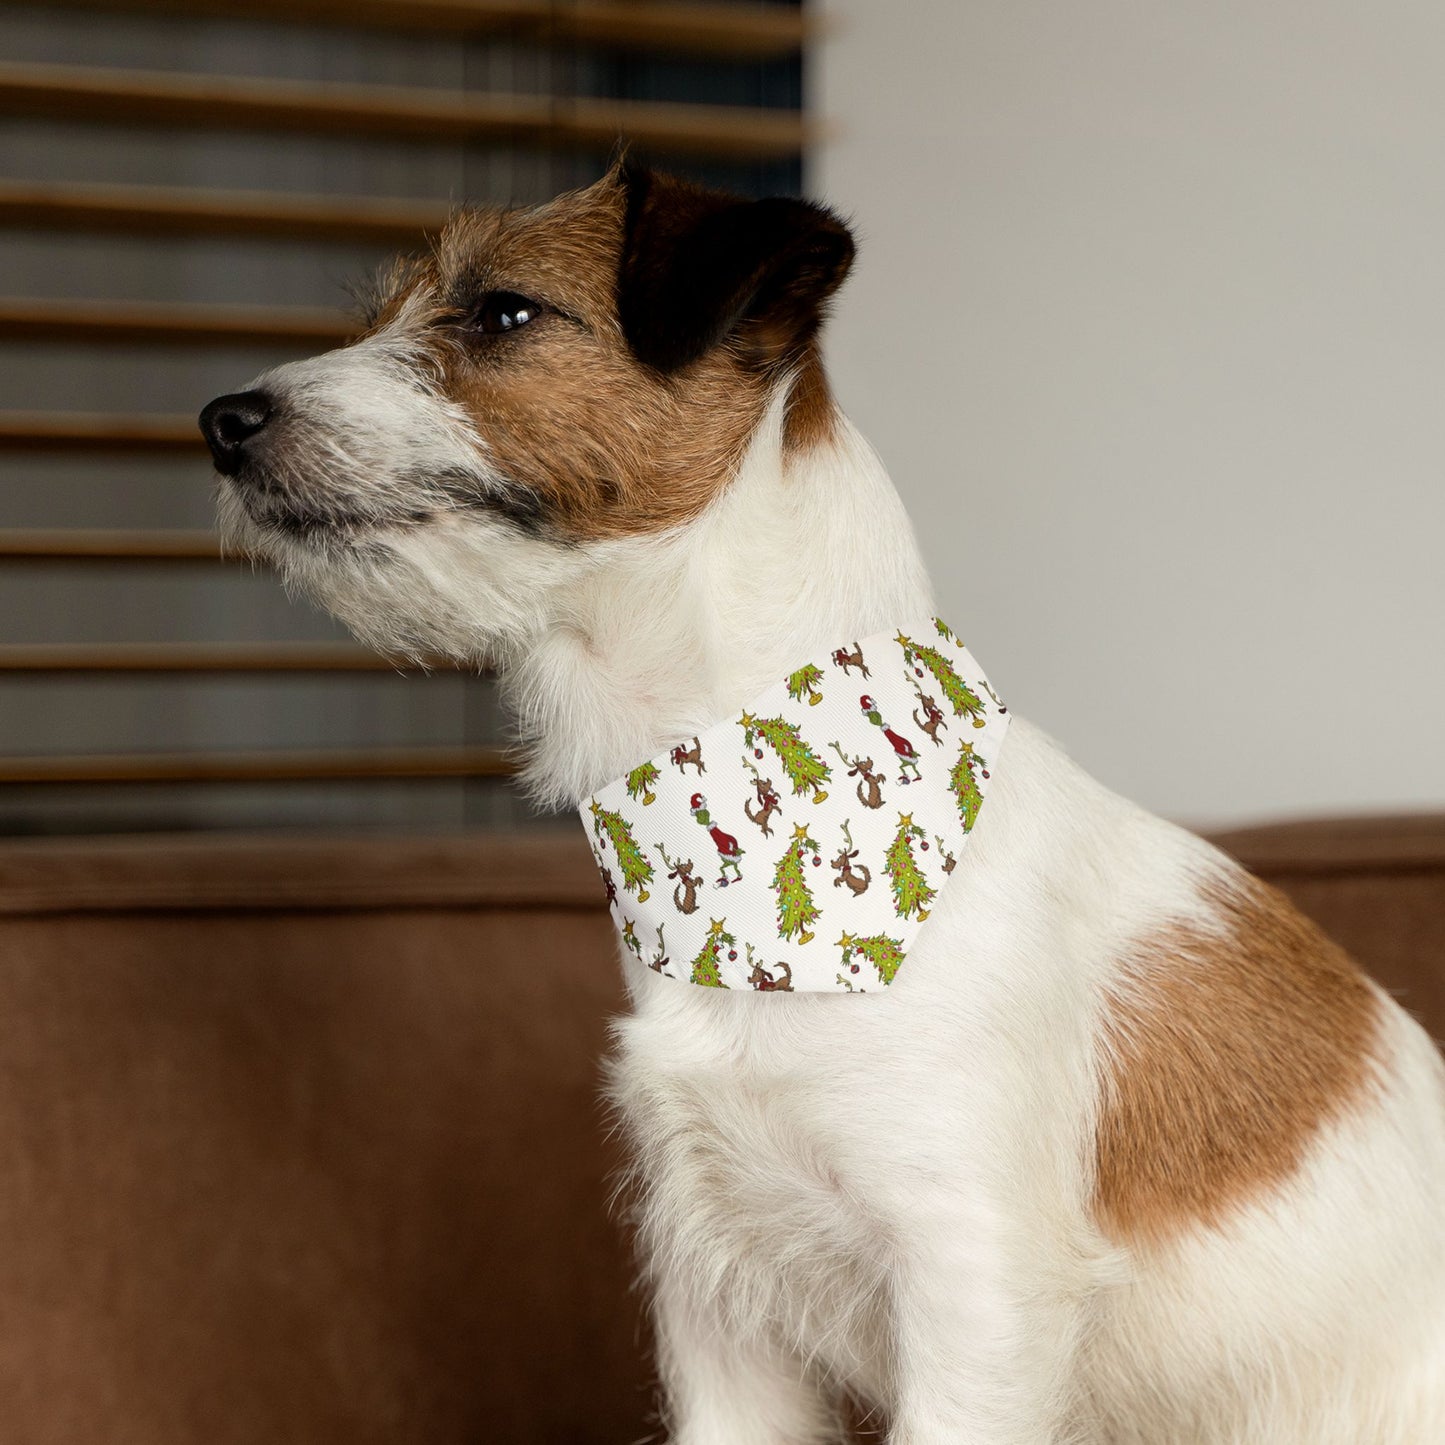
<point x="755" y="1171"/>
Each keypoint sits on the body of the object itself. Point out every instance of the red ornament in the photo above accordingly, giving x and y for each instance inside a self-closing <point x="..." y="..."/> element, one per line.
<point x="918" y="672"/>
<point x="816" y="860"/>
<point x="732" y="953"/>
<point x="925" y="847"/>
<point x="854" y="967"/>
<point x="757" y="752"/>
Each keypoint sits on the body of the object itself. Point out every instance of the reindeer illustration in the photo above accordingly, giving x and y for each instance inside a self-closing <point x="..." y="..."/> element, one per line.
<point x="849" y="660"/>
<point x="687" y="884"/>
<point x="610" y="884"/>
<point x="768" y="800"/>
<point x="659" y="960"/>
<point x="949" y="861"/>
<point x="933" y="719"/>
<point x="682" y="756"/>
<point x="858" y="878"/>
<point x="862" y="769"/>
<point x="764" y="980"/>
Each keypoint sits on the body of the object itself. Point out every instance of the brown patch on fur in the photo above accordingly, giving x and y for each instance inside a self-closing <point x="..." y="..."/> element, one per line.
<point x="1227" y="1052"/>
<point x="812" y="417"/>
<point x="607" y="445"/>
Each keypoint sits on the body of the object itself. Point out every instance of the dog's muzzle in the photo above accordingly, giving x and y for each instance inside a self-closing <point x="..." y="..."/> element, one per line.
<point x="232" y="422"/>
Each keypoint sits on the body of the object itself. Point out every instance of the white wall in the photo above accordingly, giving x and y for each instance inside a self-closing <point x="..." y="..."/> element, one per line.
<point x="1149" y="324"/>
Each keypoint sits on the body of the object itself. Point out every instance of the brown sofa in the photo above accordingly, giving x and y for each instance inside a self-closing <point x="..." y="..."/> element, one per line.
<point x="302" y="1141"/>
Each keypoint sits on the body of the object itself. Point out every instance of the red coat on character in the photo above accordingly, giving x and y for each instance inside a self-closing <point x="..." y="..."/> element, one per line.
<point x="727" y="845"/>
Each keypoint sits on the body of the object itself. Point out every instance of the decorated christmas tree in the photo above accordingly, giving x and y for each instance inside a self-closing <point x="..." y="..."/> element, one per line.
<point x="639" y="783"/>
<point x="804" y="683"/>
<point x="884" y="953"/>
<point x="911" y="893"/>
<point x="805" y="769"/>
<point x="963" y="781"/>
<point x="636" y="870"/>
<point x="705" y="967"/>
<point x="944" y="630"/>
<point x="796" y="909"/>
<point x="964" y="701"/>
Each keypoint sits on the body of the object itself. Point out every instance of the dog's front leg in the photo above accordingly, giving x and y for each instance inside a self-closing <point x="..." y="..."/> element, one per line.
<point x="985" y="1338"/>
<point x="725" y="1386"/>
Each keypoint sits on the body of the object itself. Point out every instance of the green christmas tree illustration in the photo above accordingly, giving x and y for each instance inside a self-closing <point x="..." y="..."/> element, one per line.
<point x="884" y="953"/>
<point x="639" y="783"/>
<point x="964" y="783"/>
<point x="796" y="909"/>
<point x="804" y="682"/>
<point x="705" y="967"/>
<point x="964" y="700"/>
<point x="944" y="630"/>
<point x="805" y="769"/>
<point x="911" y="893"/>
<point x="636" y="870"/>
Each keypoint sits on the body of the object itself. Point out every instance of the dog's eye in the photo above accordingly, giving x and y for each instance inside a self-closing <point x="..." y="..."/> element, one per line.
<point x="504" y="311"/>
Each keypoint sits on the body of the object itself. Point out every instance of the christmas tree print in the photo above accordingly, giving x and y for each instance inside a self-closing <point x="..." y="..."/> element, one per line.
<point x="944" y="630"/>
<point x="796" y="909"/>
<point x="705" y="966"/>
<point x="629" y="937"/>
<point x="963" y="781"/>
<point x="806" y="771"/>
<point x="804" y="682"/>
<point x="636" y="870"/>
<point x="640" y="781"/>
<point x="884" y="953"/>
<point x="964" y="700"/>
<point x="911" y="892"/>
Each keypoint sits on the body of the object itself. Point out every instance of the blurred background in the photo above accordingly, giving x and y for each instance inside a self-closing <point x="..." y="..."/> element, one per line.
<point x="187" y="194"/>
<point x="302" y="1009"/>
<point x="1147" y="323"/>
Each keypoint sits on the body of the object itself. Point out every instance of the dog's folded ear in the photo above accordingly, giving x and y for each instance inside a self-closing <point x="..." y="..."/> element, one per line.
<point x="701" y="266"/>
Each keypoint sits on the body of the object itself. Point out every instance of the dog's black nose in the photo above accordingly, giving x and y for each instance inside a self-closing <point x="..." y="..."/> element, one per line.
<point x="229" y="422"/>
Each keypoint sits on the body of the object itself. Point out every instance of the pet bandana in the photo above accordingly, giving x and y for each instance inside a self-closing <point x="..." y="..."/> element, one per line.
<point x="800" y="844"/>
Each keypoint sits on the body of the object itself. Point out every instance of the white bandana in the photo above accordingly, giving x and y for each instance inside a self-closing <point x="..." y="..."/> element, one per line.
<point x="800" y="844"/>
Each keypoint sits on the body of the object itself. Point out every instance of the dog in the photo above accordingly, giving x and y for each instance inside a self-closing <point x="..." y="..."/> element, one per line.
<point x="1129" y="1154"/>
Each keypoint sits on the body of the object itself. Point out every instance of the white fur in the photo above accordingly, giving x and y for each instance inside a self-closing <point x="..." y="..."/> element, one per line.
<point x="890" y="1195"/>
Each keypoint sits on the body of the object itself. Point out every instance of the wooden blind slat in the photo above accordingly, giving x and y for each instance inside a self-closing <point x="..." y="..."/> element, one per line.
<point x="271" y="766"/>
<point x="82" y="544"/>
<point x="185" y="657"/>
<point x="172" y="211"/>
<point x="703" y="29"/>
<point x="217" y="102"/>
<point x="98" y="432"/>
<point x="77" y="431"/>
<point x="171" y="323"/>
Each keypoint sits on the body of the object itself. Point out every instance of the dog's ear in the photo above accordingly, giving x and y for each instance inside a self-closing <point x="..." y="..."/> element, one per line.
<point x="700" y="266"/>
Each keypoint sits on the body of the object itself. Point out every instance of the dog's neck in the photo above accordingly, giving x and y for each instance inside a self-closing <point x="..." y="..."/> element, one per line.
<point x="665" y="635"/>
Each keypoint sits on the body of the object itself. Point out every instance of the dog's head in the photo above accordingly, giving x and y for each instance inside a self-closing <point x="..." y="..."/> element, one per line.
<point x="544" y="383"/>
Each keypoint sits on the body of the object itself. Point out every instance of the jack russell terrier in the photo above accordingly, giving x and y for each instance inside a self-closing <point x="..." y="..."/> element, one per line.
<point x="1101" y="1143"/>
